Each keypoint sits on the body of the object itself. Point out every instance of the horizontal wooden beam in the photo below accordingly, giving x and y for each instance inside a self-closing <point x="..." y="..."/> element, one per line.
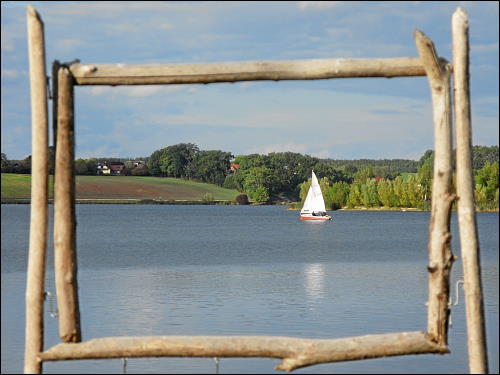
<point x="295" y="352"/>
<point x="123" y="74"/>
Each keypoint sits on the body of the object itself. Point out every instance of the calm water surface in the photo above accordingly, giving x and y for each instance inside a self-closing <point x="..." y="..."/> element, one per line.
<point x="241" y="270"/>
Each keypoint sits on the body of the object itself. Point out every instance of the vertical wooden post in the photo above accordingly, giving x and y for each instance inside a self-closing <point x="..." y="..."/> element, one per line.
<point x="64" y="214"/>
<point x="469" y="243"/>
<point x="39" y="194"/>
<point x="440" y="255"/>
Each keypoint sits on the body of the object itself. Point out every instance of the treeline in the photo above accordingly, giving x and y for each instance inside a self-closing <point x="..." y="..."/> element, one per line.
<point x="385" y="168"/>
<point x="409" y="190"/>
<point x="186" y="160"/>
<point x="284" y="176"/>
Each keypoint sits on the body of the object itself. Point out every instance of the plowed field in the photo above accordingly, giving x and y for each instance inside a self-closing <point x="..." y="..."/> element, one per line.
<point x="123" y="187"/>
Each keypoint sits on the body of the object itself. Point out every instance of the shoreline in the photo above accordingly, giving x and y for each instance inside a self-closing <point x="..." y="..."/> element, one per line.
<point x="147" y="201"/>
<point x="400" y="209"/>
<point x="126" y="201"/>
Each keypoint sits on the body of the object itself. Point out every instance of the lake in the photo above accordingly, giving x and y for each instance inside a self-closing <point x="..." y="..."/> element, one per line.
<point x="245" y="270"/>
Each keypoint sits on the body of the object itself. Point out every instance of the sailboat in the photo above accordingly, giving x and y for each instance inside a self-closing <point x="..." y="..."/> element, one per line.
<point x="314" y="205"/>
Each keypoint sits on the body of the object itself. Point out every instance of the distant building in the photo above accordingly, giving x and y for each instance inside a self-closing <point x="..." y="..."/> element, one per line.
<point x="233" y="167"/>
<point x="102" y="168"/>
<point x="114" y="168"/>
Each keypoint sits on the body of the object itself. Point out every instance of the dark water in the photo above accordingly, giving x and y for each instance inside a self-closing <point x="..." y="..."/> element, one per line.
<point x="240" y="270"/>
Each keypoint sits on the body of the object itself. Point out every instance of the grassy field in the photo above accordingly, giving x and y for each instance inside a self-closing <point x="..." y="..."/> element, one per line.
<point x="122" y="187"/>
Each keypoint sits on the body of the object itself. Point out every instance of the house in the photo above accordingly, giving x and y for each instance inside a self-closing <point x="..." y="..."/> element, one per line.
<point x="233" y="167"/>
<point x="102" y="168"/>
<point x="114" y="168"/>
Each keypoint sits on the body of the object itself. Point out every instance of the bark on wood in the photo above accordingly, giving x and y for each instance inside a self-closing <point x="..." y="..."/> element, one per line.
<point x="64" y="215"/>
<point x="440" y="255"/>
<point x="122" y="74"/>
<point x="39" y="194"/>
<point x="469" y="243"/>
<point x="295" y="352"/>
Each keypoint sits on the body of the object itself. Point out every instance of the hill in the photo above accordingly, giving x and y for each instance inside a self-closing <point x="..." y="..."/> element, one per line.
<point x="17" y="186"/>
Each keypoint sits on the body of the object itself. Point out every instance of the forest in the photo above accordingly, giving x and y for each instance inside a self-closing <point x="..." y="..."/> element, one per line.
<point x="285" y="176"/>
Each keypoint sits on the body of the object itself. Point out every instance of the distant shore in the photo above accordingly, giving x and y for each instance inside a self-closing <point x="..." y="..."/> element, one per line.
<point x="126" y="201"/>
<point x="401" y="209"/>
<point x="214" y="202"/>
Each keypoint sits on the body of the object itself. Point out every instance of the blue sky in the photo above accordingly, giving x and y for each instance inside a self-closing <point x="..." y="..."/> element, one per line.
<point x="341" y="119"/>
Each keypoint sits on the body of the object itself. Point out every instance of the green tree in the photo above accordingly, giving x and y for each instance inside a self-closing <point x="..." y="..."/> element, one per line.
<point x="323" y="169"/>
<point x="210" y="166"/>
<point x="91" y="166"/>
<point x="483" y="154"/>
<point x="398" y="186"/>
<point x="246" y="162"/>
<point x="424" y="175"/>
<point x="427" y="156"/>
<point x="260" y="194"/>
<point x="487" y="178"/>
<point x="369" y="194"/>
<point x="175" y="159"/>
<point x="364" y="174"/>
<point x="257" y="182"/>
<point x="338" y="194"/>
<point x="355" y="197"/>
<point x="289" y="169"/>
<point x="304" y="189"/>
<point x="153" y="163"/>
<point x="414" y="191"/>
<point x="5" y="162"/>
<point x="386" y="193"/>
<point x="234" y="181"/>
<point x="81" y="167"/>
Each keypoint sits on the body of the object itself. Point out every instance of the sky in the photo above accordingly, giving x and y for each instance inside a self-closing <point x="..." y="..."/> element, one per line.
<point x="357" y="118"/>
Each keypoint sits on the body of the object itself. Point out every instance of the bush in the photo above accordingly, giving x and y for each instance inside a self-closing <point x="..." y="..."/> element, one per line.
<point x="207" y="198"/>
<point x="140" y="170"/>
<point x="242" y="199"/>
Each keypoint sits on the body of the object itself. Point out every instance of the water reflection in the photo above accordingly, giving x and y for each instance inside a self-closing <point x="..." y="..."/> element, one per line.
<point x="315" y="280"/>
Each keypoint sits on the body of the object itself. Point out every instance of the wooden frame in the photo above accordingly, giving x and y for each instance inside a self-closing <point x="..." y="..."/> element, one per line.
<point x="295" y="352"/>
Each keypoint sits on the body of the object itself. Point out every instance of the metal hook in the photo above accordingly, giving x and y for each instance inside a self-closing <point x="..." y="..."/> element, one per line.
<point x="456" y="299"/>
<point x="217" y="361"/>
<point x="53" y="313"/>
<point x="456" y="293"/>
<point x="124" y="360"/>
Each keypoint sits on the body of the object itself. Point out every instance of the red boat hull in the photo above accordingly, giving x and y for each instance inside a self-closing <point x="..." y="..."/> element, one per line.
<point x="317" y="218"/>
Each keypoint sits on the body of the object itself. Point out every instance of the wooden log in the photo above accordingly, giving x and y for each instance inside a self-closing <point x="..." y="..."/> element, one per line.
<point x="64" y="214"/>
<point x="35" y="288"/>
<point x="440" y="255"/>
<point x="469" y="242"/>
<point x="123" y="74"/>
<point x="295" y="352"/>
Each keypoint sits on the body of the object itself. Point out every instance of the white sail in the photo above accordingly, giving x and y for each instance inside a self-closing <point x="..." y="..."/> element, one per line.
<point x="314" y="201"/>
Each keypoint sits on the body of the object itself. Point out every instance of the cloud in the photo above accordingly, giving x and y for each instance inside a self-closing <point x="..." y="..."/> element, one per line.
<point x="166" y="26"/>
<point x="318" y="5"/>
<point x="10" y="73"/>
<point x="7" y="39"/>
<point x="71" y="44"/>
<point x="139" y="91"/>
<point x="484" y="48"/>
